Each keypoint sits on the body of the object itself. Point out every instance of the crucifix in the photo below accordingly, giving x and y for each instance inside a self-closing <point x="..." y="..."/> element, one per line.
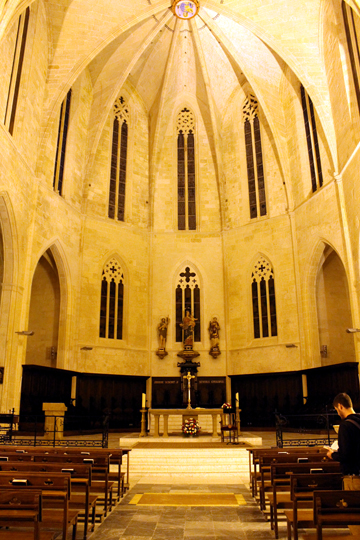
<point x="189" y="377"/>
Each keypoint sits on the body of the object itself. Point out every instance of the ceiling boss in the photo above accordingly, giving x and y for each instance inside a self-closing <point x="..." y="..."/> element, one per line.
<point x="185" y="9"/>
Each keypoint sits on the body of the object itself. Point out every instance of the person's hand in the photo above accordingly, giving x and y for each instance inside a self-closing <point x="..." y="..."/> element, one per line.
<point x="330" y="453"/>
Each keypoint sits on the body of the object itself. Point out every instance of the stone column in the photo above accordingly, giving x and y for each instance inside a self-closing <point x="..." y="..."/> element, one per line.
<point x="54" y="420"/>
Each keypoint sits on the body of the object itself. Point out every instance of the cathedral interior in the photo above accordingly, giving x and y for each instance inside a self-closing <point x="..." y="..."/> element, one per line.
<point x="160" y="158"/>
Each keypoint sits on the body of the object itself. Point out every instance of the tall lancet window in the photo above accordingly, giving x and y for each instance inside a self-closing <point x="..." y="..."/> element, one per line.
<point x="61" y="144"/>
<point x="312" y="140"/>
<point x="254" y="158"/>
<point x="263" y="299"/>
<point x="16" y="70"/>
<point x="352" y="30"/>
<point x="187" y="298"/>
<point x="112" y="301"/>
<point x="118" y="160"/>
<point x="186" y="171"/>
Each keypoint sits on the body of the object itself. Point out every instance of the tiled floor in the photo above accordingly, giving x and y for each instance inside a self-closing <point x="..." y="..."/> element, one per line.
<point x="130" y="522"/>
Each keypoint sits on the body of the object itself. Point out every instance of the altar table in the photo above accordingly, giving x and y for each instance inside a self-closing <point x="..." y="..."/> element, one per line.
<point x="185" y="413"/>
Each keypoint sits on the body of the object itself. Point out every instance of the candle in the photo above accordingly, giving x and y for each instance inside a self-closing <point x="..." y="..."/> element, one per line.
<point x="237" y="397"/>
<point x="143" y="402"/>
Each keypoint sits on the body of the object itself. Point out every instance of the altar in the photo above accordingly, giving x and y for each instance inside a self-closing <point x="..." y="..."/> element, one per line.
<point x="184" y="413"/>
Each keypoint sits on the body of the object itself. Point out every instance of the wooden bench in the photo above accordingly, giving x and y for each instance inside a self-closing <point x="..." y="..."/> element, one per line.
<point x="80" y="475"/>
<point x="100" y="484"/>
<point x="21" y="510"/>
<point x="280" y="498"/>
<point x="336" y="509"/>
<point x="302" y="492"/>
<point x="56" y="491"/>
<point x="269" y="459"/>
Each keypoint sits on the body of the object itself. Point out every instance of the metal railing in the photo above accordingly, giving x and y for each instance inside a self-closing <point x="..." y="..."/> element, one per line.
<point x="30" y="430"/>
<point x="311" y="429"/>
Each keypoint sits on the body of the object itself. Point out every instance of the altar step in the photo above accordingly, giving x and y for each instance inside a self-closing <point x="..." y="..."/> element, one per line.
<point x="228" y="460"/>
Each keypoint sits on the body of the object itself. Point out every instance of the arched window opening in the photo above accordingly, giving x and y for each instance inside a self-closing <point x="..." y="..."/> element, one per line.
<point x="254" y="158"/>
<point x="61" y="144"/>
<point x="187" y="298"/>
<point x="263" y="299"/>
<point x="16" y="70"/>
<point x="311" y="140"/>
<point x="112" y="301"/>
<point x="118" y="160"/>
<point x="352" y="30"/>
<point x="186" y="171"/>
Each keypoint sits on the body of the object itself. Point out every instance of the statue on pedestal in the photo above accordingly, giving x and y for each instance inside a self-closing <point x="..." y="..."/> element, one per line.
<point x="214" y="328"/>
<point x="188" y="325"/>
<point x="162" y="334"/>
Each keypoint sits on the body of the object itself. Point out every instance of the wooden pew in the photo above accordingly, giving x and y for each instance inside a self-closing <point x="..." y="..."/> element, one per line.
<point x="280" y="498"/>
<point x="336" y="509"/>
<point x="100" y="484"/>
<point x="255" y="453"/>
<point x="116" y="455"/>
<point x="56" y="491"/>
<point x="80" y="475"/>
<point x="269" y="459"/>
<point x="302" y="491"/>
<point x="21" y="509"/>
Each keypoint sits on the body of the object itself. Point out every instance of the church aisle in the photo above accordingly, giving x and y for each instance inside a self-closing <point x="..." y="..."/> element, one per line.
<point x="131" y="521"/>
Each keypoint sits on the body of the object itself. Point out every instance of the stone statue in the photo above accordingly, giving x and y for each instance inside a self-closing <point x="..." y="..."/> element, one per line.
<point x="162" y="334"/>
<point x="214" y="328"/>
<point x="188" y="326"/>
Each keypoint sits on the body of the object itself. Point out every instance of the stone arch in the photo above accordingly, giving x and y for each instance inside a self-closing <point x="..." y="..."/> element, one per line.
<point x="328" y="308"/>
<point x="55" y="272"/>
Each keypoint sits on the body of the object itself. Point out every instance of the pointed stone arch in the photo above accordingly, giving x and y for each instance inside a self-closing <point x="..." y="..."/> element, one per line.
<point x="52" y="268"/>
<point x="327" y="311"/>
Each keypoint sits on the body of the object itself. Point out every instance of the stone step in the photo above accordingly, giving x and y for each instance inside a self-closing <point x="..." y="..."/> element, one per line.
<point x="227" y="460"/>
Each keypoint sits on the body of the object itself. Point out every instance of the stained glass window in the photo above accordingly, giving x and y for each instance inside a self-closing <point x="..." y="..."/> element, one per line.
<point x="311" y="140"/>
<point x="112" y="301"/>
<point x="61" y="144"/>
<point x="352" y="30"/>
<point x="119" y="146"/>
<point x="254" y="158"/>
<point x="186" y="171"/>
<point x="187" y="298"/>
<point x="263" y="299"/>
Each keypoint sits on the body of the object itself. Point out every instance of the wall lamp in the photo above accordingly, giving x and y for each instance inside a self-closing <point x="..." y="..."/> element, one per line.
<point x="86" y="349"/>
<point x="352" y="330"/>
<point x="25" y="333"/>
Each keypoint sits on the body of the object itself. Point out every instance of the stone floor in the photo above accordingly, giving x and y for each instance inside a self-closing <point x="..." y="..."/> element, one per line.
<point x="130" y="522"/>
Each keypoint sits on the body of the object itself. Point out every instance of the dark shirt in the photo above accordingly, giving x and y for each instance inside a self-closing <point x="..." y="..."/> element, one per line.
<point x="349" y="445"/>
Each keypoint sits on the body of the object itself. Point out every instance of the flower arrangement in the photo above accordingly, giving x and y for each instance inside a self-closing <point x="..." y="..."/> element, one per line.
<point x="226" y="406"/>
<point x="191" y="427"/>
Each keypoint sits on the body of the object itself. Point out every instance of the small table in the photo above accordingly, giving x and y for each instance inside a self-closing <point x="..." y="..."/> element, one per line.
<point x="189" y="413"/>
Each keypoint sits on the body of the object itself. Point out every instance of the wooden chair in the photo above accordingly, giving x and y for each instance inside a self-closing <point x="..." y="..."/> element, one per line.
<point x="228" y="425"/>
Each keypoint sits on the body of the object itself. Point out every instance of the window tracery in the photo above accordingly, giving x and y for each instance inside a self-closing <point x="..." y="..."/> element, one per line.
<point x="263" y="299"/>
<point x="112" y="301"/>
<point x="187" y="298"/>
<point x="254" y="158"/>
<point x="185" y="127"/>
<point x="121" y="119"/>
